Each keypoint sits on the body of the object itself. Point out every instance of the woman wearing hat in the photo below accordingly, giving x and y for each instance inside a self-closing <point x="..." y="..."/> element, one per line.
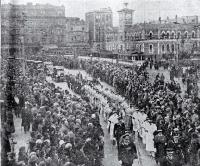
<point x="127" y="151"/>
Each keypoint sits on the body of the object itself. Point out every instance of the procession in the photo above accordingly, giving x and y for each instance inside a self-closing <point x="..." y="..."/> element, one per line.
<point x="100" y="83"/>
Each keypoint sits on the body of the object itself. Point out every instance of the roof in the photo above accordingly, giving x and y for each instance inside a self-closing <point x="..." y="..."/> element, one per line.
<point x="126" y="10"/>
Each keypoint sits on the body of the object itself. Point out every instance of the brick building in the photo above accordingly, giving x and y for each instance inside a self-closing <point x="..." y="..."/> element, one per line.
<point x="98" y="22"/>
<point x="156" y="40"/>
<point x="42" y="24"/>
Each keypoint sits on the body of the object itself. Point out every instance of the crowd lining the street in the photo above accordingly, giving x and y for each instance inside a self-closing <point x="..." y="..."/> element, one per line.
<point x="166" y="122"/>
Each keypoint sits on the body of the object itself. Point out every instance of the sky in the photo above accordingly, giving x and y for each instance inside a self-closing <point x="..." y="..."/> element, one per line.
<point x="145" y="10"/>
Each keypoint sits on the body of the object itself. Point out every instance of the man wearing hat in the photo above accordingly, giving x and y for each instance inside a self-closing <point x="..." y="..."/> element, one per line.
<point x="26" y="117"/>
<point x="160" y="145"/>
<point x="127" y="150"/>
<point x="119" y="130"/>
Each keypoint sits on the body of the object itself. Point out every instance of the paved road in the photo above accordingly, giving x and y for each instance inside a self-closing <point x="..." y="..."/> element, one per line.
<point x="110" y="151"/>
<point x="19" y="136"/>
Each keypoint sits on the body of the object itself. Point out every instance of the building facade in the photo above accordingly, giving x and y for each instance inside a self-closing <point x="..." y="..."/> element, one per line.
<point x="42" y="24"/>
<point x="98" y="22"/>
<point x="76" y="31"/>
<point x="155" y="40"/>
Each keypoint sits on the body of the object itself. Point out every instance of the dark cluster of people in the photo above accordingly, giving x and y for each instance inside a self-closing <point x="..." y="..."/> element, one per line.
<point x="176" y="117"/>
<point x="65" y="129"/>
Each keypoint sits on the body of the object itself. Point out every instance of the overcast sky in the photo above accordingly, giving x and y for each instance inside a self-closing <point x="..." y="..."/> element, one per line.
<point x="144" y="9"/>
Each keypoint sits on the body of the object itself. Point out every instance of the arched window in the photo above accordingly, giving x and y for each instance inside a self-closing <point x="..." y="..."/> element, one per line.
<point x="163" y="35"/>
<point x="173" y="35"/>
<point x="150" y="48"/>
<point x="179" y="35"/>
<point x="186" y="34"/>
<point x="163" y="48"/>
<point x="168" y="48"/>
<point x="167" y="35"/>
<point x="150" y="34"/>
<point x="193" y="34"/>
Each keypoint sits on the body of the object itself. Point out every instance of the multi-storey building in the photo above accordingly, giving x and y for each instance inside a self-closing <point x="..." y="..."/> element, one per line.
<point x="98" y="22"/>
<point x="156" y="39"/>
<point x="76" y="39"/>
<point x="76" y="31"/>
<point x="42" y="24"/>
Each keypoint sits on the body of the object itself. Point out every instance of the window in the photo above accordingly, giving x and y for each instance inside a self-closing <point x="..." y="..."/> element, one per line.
<point x="82" y="28"/>
<point x="167" y="36"/>
<point x="150" y="48"/>
<point x="168" y="48"/>
<point x="173" y="35"/>
<point x="173" y="48"/>
<point x="151" y="35"/>
<point x="179" y="35"/>
<point x="140" y="48"/>
<point x="193" y="34"/>
<point x="140" y="35"/>
<point x="162" y="35"/>
<point x="163" y="48"/>
<point x="186" y="34"/>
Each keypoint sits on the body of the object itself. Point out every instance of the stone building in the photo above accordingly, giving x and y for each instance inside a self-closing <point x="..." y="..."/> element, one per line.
<point x="42" y="24"/>
<point x="76" y="31"/>
<point x="156" y="40"/>
<point x="76" y="36"/>
<point x="98" y="22"/>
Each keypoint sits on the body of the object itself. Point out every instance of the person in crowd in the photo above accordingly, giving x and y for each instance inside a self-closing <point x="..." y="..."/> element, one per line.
<point x="127" y="150"/>
<point x="26" y="117"/>
<point x="59" y="119"/>
<point x="160" y="145"/>
<point x="22" y="155"/>
<point x="119" y="130"/>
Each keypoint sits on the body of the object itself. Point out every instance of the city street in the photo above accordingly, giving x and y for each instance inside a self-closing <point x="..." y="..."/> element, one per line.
<point x="110" y="151"/>
<point x="100" y="83"/>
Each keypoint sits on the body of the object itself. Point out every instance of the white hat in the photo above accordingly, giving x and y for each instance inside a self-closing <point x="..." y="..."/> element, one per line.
<point x="93" y="116"/>
<point x="38" y="141"/>
<point x="61" y="142"/>
<point x="68" y="145"/>
<point x="47" y="140"/>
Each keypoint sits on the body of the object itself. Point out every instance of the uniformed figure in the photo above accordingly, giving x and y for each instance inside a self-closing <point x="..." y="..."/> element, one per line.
<point x="119" y="130"/>
<point x="160" y="145"/>
<point x="127" y="150"/>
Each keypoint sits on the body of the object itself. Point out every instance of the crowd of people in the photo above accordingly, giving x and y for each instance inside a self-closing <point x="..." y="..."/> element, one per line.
<point x="65" y="129"/>
<point x="176" y="117"/>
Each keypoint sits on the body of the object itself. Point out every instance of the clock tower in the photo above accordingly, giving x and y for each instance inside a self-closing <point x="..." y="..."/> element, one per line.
<point x="125" y="17"/>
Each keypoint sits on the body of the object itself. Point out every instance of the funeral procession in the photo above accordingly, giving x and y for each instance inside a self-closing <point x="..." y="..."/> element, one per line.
<point x="100" y="82"/>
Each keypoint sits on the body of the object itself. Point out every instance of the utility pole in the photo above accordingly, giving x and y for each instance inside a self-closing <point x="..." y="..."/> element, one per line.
<point x="23" y="55"/>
